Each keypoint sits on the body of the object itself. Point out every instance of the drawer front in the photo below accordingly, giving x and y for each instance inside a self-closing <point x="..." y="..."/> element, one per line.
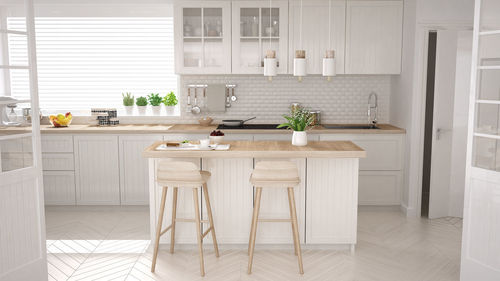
<point x="379" y="188"/>
<point x="383" y="153"/>
<point x="58" y="162"/>
<point x="57" y="143"/>
<point x="59" y="188"/>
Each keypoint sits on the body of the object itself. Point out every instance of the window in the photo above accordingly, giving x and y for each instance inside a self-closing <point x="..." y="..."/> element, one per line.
<point x="86" y="62"/>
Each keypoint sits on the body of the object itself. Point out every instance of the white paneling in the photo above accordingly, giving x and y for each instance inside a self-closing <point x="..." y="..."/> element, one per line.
<point x="231" y="197"/>
<point x="274" y="204"/>
<point x="185" y="232"/>
<point x="374" y="37"/>
<point x="97" y="170"/>
<point x="59" y="187"/>
<point x="282" y="137"/>
<point x="182" y="137"/>
<point x="315" y="33"/>
<point x="57" y="143"/>
<point x="134" y="169"/>
<point x="58" y="162"/>
<point x="379" y="188"/>
<point x="332" y="198"/>
<point x="229" y="136"/>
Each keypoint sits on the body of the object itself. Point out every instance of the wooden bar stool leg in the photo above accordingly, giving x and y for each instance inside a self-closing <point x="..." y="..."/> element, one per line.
<point x="211" y="219"/>
<point x="198" y="230"/>
<point x="295" y="228"/>
<point x="158" y="227"/>
<point x="291" y="217"/>
<point x="174" y="216"/>
<point x="254" y="228"/>
<point x="251" y="227"/>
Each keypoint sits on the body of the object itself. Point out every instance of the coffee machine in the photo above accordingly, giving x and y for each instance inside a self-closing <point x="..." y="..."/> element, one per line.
<point x="7" y="104"/>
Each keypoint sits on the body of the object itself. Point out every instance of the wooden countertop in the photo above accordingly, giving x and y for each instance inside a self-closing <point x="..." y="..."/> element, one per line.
<point x="266" y="149"/>
<point x="187" y="129"/>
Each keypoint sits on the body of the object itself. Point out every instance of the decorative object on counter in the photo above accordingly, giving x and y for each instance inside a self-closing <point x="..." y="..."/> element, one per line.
<point x="294" y="106"/>
<point x="270" y="62"/>
<point x="329" y="65"/>
<point x="128" y="102"/>
<point x="170" y="101"/>
<point x="235" y="123"/>
<point x="316" y="115"/>
<point x="195" y="109"/>
<point x="142" y="103"/>
<point x="5" y="104"/>
<point x="204" y="143"/>
<point x="27" y="115"/>
<point x="205" y="121"/>
<point x="299" y="62"/>
<point x="155" y="100"/>
<point x="216" y="137"/>
<point x="12" y="114"/>
<point x="299" y="121"/>
<point x="61" y="120"/>
<point x="105" y="116"/>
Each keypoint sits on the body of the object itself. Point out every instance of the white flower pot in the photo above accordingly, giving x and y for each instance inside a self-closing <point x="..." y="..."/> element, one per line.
<point x="170" y="109"/>
<point x="129" y="109"/>
<point x="142" y="109"/>
<point x="299" y="138"/>
<point x="156" y="109"/>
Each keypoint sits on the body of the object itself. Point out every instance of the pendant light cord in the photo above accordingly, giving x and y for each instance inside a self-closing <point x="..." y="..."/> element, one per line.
<point x="270" y="24"/>
<point x="329" y="24"/>
<point x="300" y="32"/>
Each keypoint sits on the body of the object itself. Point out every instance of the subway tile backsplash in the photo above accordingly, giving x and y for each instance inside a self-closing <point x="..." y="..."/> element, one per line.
<point x="342" y="100"/>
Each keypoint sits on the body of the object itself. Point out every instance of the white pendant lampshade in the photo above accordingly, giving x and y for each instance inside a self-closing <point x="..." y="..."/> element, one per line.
<point x="270" y="64"/>
<point x="300" y="64"/>
<point x="329" y="64"/>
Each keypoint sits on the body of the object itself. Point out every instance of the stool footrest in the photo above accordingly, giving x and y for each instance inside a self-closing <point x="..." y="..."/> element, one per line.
<point x="189" y="220"/>
<point x="274" y="220"/>
<point x="206" y="232"/>
<point x="165" y="230"/>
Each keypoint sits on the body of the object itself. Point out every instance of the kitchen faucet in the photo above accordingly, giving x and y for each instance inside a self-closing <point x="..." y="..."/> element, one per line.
<point x="374" y="107"/>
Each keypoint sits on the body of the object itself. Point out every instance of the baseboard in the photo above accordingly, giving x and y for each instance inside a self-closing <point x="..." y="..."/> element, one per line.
<point x="337" y="247"/>
<point x="409" y="212"/>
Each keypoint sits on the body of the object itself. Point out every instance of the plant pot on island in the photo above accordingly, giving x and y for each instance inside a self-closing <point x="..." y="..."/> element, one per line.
<point x="299" y="120"/>
<point x="299" y="138"/>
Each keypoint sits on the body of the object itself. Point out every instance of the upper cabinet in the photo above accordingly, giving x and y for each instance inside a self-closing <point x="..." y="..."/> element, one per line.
<point x="374" y="37"/>
<point x="257" y="27"/>
<point x="316" y="38"/>
<point x="202" y="35"/>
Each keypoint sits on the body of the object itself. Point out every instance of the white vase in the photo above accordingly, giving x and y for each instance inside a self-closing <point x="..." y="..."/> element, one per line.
<point x="299" y="138"/>
<point x="142" y="109"/>
<point x="170" y="109"/>
<point x="129" y="109"/>
<point x="156" y="109"/>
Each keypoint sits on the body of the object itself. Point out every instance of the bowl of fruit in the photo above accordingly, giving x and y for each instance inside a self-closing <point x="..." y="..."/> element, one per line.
<point x="61" y="120"/>
<point x="216" y="137"/>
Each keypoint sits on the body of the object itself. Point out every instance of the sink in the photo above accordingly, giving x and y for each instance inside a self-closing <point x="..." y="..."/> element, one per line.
<point x="347" y="126"/>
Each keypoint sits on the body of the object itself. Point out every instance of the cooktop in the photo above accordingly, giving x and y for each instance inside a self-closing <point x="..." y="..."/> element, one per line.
<point x="250" y="127"/>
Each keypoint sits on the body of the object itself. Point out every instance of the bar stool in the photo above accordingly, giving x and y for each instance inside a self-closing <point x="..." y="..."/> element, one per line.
<point x="183" y="174"/>
<point x="275" y="174"/>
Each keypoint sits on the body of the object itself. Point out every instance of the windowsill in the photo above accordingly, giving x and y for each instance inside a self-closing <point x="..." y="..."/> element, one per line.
<point x="149" y="113"/>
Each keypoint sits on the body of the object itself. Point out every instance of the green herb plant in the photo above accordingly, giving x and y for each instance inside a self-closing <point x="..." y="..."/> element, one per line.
<point x="141" y="101"/>
<point x="298" y="120"/>
<point x="154" y="99"/>
<point x="128" y="99"/>
<point x="170" y="99"/>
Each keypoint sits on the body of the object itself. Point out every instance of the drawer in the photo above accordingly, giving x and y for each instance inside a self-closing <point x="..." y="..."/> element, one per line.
<point x="58" y="162"/>
<point x="57" y="143"/>
<point x="379" y="188"/>
<point x="59" y="188"/>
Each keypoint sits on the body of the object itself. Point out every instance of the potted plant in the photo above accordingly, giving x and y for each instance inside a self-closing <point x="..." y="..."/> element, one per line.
<point x="170" y="101"/>
<point x="299" y="120"/>
<point x="155" y="101"/>
<point x="142" y="103"/>
<point x="128" y="102"/>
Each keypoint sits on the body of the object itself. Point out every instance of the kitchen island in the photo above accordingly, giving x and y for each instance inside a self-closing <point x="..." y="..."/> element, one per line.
<point x="327" y="196"/>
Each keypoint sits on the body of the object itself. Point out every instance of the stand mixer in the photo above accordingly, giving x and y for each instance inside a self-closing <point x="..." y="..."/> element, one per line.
<point x="5" y="102"/>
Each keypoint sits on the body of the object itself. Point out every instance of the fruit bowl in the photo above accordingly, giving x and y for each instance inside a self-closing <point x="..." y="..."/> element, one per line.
<point x="61" y="120"/>
<point x="216" y="137"/>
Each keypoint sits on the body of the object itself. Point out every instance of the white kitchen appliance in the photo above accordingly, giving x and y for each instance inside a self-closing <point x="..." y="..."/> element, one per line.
<point x="4" y="111"/>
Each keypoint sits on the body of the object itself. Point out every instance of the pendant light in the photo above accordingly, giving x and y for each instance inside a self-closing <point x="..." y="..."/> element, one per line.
<point x="329" y="64"/>
<point x="299" y="62"/>
<point x="270" y="62"/>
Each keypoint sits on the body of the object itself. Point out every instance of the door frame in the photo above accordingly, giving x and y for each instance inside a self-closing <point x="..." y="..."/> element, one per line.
<point x="416" y="141"/>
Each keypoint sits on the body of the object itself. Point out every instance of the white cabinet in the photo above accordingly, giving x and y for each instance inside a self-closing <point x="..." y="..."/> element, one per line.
<point x="374" y="37"/>
<point x="134" y="169"/>
<point x="256" y="29"/>
<point x="315" y="33"/>
<point x="97" y="170"/>
<point x="59" y="187"/>
<point x="202" y="35"/>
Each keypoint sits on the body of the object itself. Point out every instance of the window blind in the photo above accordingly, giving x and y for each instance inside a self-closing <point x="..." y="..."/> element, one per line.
<point x="88" y="62"/>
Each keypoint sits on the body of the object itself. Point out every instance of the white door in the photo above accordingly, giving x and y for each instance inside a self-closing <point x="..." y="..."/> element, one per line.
<point x="481" y="230"/>
<point x="450" y="90"/>
<point x="22" y="227"/>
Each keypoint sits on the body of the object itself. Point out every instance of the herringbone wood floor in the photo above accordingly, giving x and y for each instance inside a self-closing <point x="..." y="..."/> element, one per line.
<point x="111" y="243"/>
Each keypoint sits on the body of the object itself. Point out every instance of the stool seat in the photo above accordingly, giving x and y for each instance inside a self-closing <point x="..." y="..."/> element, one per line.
<point x="275" y="174"/>
<point x="181" y="174"/>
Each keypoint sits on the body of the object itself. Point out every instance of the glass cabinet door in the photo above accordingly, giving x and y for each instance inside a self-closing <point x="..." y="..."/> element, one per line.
<point x="204" y="47"/>
<point x="256" y="29"/>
